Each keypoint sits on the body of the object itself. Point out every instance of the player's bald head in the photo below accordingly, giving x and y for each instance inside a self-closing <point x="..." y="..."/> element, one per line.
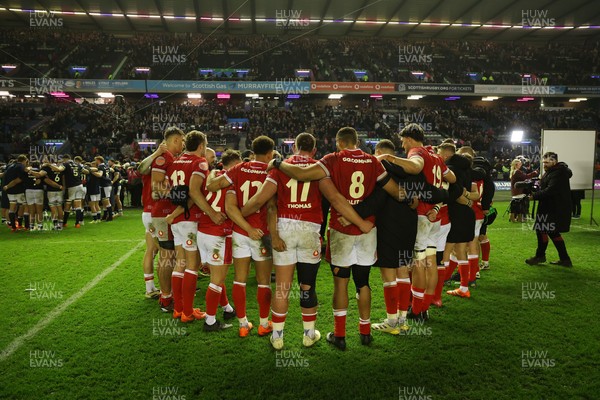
<point x="210" y="156"/>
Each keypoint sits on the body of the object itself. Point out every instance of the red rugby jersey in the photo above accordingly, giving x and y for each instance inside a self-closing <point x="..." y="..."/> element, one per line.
<point x="147" y="199"/>
<point x="355" y="174"/>
<point x="180" y="173"/>
<point x="217" y="202"/>
<point x="434" y="169"/>
<point x="246" y="178"/>
<point x="163" y="207"/>
<point x="299" y="201"/>
<point x="477" y="203"/>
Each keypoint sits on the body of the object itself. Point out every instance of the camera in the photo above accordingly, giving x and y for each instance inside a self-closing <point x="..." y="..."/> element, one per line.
<point x="528" y="186"/>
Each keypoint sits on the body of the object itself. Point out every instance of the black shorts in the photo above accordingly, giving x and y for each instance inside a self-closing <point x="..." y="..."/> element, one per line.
<point x="463" y="224"/>
<point x="483" y="230"/>
<point x="396" y="237"/>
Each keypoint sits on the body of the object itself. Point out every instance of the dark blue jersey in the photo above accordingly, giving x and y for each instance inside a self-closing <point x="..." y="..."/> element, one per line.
<point x="105" y="179"/>
<point x="33" y="183"/>
<point x="72" y="173"/>
<point x="14" y="171"/>
<point x="55" y="177"/>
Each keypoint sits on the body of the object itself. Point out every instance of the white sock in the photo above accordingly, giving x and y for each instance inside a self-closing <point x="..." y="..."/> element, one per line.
<point x="228" y="308"/>
<point x="243" y="321"/>
<point x="264" y="322"/>
<point x="309" y="327"/>
<point x="464" y="289"/>
<point x="149" y="279"/>
<point x="392" y="319"/>
<point x="210" y="319"/>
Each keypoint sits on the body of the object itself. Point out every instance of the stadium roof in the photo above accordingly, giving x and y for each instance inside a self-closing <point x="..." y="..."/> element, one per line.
<point x="537" y="20"/>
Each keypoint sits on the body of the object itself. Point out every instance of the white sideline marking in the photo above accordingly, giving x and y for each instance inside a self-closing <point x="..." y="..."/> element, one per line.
<point x="18" y="342"/>
<point x="90" y="241"/>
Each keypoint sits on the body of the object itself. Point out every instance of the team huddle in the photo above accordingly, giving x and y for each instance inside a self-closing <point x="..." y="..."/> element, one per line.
<point x="416" y="218"/>
<point x="62" y="186"/>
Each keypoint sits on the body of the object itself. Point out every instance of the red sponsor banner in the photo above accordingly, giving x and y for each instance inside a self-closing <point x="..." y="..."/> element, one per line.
<point x="351" y="87"/>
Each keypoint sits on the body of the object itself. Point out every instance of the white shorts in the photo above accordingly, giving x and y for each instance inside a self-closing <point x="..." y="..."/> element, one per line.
<point x="75" y="193"/>
<point x="347" y="250"/>
<point x="427" y="232"/>
<point x="302" y="240"/>
<point x="34" y="196"/>
<point x="18" y="198"/>
<point x="94" y="197"/>
<point x="442" y="235"/>
<point x="163" y="230"/>
<point x="214" y="250"/>
<point x="243" y="247"/>
<point x="55" y="198"/>
<point x="184" y="235"/>
<point x="478" y="224"/>
<point x="147" y="221"/>
<point x="118" y="191"/>
<point x="105" y="191"/>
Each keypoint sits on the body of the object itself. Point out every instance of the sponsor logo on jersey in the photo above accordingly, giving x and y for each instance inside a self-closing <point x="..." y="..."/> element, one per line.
<point x="160" y="161"/>
<point x="358" y="160"/>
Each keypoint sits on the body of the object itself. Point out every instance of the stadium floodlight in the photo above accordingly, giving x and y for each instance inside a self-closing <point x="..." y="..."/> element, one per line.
<point x="335" y="96"/>
<point x="8" y="66"/>
<point x="4" y="93"/>
<point x="489" y="98"/>
<point x="516" y="136"/>
<point x="194" y="96"/>
<point x="105" y="95"/>
<point x="252" y="95"/>
<point x="577" y="100"/>
<point x="415" y="97"/>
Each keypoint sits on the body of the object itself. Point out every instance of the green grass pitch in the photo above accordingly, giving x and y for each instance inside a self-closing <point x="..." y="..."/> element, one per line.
<point x="87" y="332"/>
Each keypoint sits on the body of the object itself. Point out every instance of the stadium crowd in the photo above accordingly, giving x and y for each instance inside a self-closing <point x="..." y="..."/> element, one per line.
<point x="258" y="57"/>
<point x="113" y="130"/>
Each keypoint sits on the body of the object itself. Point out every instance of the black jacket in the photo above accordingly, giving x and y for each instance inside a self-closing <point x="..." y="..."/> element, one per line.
<point x="554" y="197"/>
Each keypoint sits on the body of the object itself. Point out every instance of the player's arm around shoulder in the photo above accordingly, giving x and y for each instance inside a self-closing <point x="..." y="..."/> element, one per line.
<point x="412" y="165"/>
<point x="311" y="172"/>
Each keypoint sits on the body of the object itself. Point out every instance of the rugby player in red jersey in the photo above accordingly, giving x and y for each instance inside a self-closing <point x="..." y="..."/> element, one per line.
<point x="144" y="167"/>
<point x="163" y="206"/>
<point x="250" y="235"/>
<point x="191" y="170"/>
<point x="215" y="246"/>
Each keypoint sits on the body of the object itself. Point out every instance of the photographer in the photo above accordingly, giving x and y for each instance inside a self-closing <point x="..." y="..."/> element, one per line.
<point x="554" y="210"/>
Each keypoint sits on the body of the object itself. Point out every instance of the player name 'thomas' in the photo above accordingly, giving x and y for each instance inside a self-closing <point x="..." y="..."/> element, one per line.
<point x="299" y="205"/>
